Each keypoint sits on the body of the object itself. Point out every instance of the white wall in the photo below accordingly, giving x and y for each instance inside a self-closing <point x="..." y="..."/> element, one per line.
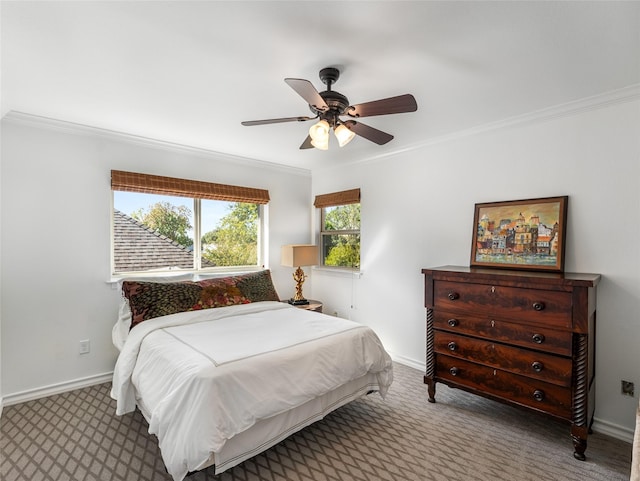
<point x="417" y="211"/>
<point x="56" y="201"/>
<point x="1" y="391"/>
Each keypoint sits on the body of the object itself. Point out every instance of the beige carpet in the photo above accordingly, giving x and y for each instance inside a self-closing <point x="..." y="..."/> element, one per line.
<point x="76" y="436"/>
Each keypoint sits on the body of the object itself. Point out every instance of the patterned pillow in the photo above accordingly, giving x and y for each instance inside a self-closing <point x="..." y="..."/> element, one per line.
<point x="257" y="286"/>
<point x="219" y="293"/>
<point x="154" y="299"/>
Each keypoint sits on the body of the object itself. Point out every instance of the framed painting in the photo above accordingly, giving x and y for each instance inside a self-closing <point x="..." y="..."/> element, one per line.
<point x="520" y="234"/>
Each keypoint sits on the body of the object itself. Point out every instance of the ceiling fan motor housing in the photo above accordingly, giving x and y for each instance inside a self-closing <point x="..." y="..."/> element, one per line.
<point x="336" y="102"/>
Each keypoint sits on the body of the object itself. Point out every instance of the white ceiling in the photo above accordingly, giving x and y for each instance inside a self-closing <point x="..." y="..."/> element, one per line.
<point x="190" y="72"/>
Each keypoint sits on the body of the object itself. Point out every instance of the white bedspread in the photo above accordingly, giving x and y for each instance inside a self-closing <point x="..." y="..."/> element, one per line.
<point x="635" y="452"/>
<point x="230" y="367"/>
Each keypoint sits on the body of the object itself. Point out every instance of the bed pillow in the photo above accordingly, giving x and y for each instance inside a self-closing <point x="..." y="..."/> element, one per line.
<point x="123" y="324"/>
<point x="154" y="299"/>
<point x="147" y="300"/>
<point x="257" y="286"/>
<point x="219" y="292"/>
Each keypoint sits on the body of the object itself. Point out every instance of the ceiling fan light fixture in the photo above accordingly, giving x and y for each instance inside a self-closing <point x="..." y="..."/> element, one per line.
<point x="319" y="134"/>
<point x="320" y="131"/>
<point x="343" y="134"/>
<point x="322" y="144"/>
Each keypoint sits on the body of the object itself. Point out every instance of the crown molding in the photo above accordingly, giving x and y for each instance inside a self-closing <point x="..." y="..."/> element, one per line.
<point x="49" y="123"/>
<point x="626" y="94"/>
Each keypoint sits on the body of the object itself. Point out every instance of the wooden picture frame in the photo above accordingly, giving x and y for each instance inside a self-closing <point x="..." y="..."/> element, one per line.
<point x="520" y="234"/>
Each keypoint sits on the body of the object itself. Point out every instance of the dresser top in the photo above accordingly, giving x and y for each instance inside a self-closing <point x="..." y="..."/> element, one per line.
<point x="572" y="278"/>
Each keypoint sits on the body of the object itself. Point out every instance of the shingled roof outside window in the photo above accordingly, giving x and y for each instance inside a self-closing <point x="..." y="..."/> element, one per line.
<point x="139" y="248"/>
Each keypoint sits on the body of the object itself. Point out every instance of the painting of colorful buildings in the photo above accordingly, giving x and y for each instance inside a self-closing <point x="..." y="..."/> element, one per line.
<point x="527" y="234"/>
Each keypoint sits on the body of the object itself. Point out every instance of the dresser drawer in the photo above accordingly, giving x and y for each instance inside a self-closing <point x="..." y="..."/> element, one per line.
<point x="546" y="367"/>
<point x="551" y="308"/>
<point x="526" y="335"/>
<point x="539" y="395"/>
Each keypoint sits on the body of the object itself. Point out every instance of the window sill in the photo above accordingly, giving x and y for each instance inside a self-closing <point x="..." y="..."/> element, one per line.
<point x="180" y="275"/>
<point x="337" y="272"/>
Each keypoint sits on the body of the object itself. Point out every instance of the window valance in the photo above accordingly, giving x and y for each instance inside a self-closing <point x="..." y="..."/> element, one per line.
<point x="338" y="198"/>
<point x="156" y="184"/>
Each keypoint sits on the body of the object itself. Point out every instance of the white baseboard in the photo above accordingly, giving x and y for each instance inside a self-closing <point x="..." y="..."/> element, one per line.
<point x="614" y="430"/>
<point x="599" y="425"/>
<point x="421" y="366"/>
<point x="37" y="393"/>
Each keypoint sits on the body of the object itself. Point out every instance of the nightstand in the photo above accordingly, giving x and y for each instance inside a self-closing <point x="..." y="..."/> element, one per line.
<point x="315" y="306"/>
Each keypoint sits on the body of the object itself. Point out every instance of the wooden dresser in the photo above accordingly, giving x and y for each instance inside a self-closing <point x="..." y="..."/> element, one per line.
<point x="520" y="337"/>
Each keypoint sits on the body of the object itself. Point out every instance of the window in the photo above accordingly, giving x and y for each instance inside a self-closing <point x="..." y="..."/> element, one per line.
<point x="340" y="228"/>
<point x="161" y="223"/>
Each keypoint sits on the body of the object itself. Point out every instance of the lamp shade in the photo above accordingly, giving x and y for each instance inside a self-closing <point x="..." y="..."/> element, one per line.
<point x="319" y="134"/>
<point x="299" y="255"/>
<point x="319" y="131"/>
<point x="322" y="144"/>
<point x="343" y="134"/>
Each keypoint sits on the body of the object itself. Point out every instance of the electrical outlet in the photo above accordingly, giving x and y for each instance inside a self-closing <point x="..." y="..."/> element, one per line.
<point x="85" y="346"/>
<point x="626" y="388"/>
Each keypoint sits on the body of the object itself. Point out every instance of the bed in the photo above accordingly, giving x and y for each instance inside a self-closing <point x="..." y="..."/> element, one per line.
<point x="222" y="370"/>
<point x="635" y="453"/>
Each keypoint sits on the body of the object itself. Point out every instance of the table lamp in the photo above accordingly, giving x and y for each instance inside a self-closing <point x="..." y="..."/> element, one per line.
<point x="297" y="256"/>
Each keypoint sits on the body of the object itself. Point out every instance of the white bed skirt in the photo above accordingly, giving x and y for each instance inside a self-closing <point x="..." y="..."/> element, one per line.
<point x="269" y="432"/>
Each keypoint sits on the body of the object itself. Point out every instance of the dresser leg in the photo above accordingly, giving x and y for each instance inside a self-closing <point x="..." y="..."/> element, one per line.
<point x="580" y="426"/>
<point x="431" y="389"/>
<point x="577" y="454"/>
<point x="430" y="361"/>
<point x="579" y="436"/>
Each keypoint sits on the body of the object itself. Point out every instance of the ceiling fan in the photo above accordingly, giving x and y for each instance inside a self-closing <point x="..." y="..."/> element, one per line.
<point x="329" y="106"/>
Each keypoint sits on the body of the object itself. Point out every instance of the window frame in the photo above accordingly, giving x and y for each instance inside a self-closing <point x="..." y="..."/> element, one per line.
<point x="151" y="184"/>
<point x="337" y="199"/>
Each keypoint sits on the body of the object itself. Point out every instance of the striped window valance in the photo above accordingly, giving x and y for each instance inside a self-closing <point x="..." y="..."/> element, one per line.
<point x="338" y="198"/>
<point x="156" y="184"/>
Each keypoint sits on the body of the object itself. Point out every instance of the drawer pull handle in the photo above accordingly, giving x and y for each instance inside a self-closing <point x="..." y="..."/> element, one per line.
<point x="538" y="395"/>
<point x="454" y="371"/>
<point x="537" y="366"/>
<point x="538" y="306"/>
<point x="452" y="322"/>
<point x="452" y="346"/>
<point x="453" y="296"/>
<point x="538" y="338"/>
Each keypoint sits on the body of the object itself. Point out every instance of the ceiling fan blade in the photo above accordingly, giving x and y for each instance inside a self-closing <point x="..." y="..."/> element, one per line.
<point x="307" y="143"/>
<point x="374" y="135"/>
<point x="392" y="105"/>
<point x="276" y="121"/>
<point x="307" y="91"/>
